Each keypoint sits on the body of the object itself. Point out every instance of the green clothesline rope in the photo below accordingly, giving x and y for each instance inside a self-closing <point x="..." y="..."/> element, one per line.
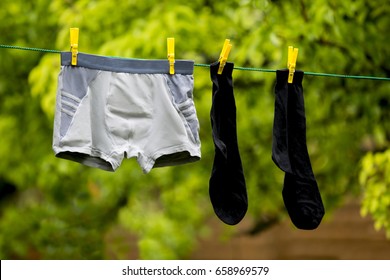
<point x="28" y="49"/>
<point x="307" y="73"/>
<point x="236" y="67"/>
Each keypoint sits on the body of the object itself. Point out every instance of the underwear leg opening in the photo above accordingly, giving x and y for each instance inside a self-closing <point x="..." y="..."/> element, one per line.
<point x="87" y="160"/>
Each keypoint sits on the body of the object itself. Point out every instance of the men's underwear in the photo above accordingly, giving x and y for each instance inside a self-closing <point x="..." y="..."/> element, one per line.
<point x="108" y="109"/>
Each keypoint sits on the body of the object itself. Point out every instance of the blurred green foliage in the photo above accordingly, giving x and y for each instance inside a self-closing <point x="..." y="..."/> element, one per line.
<point x="63" y="210"/>
<point x="375" y="178"/>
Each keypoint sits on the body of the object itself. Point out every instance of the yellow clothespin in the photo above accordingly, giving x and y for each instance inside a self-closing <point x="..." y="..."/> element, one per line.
<point x="74" y="44"/>
<point x="171" y="54"/>
<point x="291" y="62"/>
<point x="224" y="55"/>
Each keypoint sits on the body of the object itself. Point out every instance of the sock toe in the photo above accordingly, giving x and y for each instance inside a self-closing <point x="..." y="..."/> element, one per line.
<point x="303" y="202"/>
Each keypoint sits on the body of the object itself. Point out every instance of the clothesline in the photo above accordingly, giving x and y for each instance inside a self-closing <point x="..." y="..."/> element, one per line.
<point x="235" y="67"/>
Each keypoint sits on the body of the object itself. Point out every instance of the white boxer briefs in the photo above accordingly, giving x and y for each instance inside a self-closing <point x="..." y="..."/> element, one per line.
<point x="108" y="109"/>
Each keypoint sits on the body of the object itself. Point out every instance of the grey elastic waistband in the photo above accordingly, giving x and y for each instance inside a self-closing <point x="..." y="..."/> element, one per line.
<point x="136" y="66"/>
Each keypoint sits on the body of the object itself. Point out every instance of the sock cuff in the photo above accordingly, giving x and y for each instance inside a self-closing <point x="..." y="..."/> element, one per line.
<point x="227" y="69"/>
<point x="282" y="76"/>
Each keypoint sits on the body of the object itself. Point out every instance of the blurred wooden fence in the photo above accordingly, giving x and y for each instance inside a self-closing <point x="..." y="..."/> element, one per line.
<point x="344" y="235"/>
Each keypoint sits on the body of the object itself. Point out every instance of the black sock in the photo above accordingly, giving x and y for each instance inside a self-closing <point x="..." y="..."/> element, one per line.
<point x="227" y="186"/>
<point x="303" y="201"/>
<point x="301" y="195"/>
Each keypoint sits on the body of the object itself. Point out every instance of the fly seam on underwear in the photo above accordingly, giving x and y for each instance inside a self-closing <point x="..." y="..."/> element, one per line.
<point x="105" y="116"/>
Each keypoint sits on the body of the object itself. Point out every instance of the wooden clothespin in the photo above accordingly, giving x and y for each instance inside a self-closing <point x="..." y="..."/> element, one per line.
<point x="171" y="54"/>
<point x="291" y="62"/>
<point x="74" y="44"/>
<point x="224" y="55"/>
